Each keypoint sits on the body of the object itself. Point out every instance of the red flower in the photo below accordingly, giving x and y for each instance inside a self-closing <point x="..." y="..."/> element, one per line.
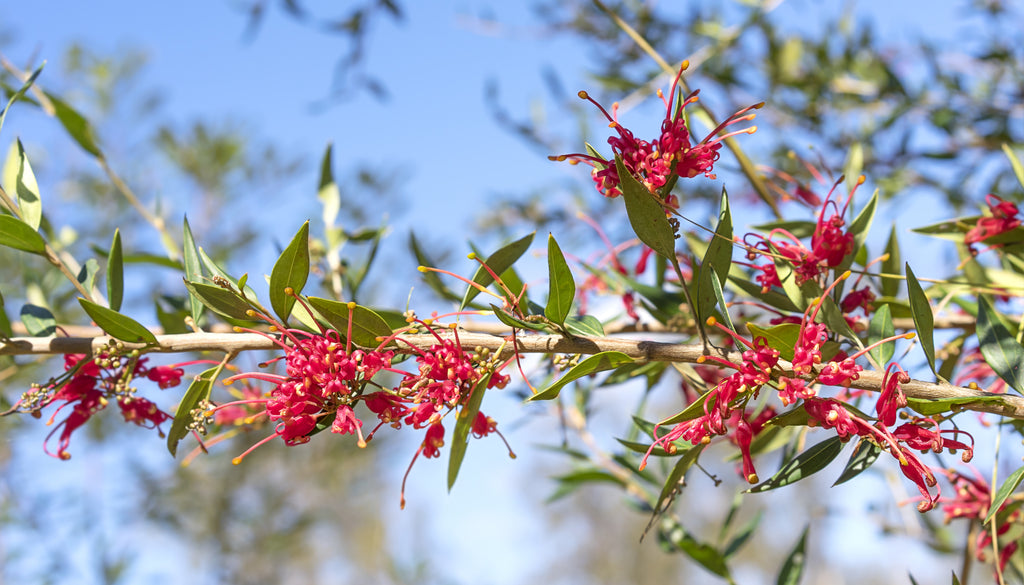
<point x="1003" y="219"/>
<point x="433" y="441"/>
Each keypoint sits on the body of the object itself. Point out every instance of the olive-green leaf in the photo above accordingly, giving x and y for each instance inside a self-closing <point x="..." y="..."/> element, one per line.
<point x="561" y="288"/>
<point x="500" y="261"/>
<point x="672" y="534"/>
<point x="115" y="273"/>
<point x="290" y="271"/>
<point x="21" y="92"/>
<point x="646" y="215"/>
<point x="880" y="328"/>
<point x="924" y="320"/>
<point x="717" y="261"/>
<point x="198" y="391"/>
<point x="803" y="465"/>
<point x="716" y="285"/>
<point x="782" y="337"/>
<point x="76" y="126"/>
<point x="367" y="325"/>
<point x="863" y="457"/>
<point x="38" y="321"/>
<point x="1002" y="352"/>
<point x="1004" y="491"/>
<point x="517" y="323"/>
<point x="193" y="270"/>
<point x="931" y="407"/>
<point x="599" y="362"/>
<point x="5" y="324"/>
<point x="586" y="325"/>
<point x="891" y="265"/>
<point x="219" y="300"/>
<point x="117" y="325"/>
<point x="87" y="274"/>
<point x="1018" y="169"/>
<point x="17" y="234"/>
<point x="19" y="180"/>
<point x="672" y="483"/>
<point x="463" y="424"/>
<point x="859" y="228"/>
<point x="793" y="569"/>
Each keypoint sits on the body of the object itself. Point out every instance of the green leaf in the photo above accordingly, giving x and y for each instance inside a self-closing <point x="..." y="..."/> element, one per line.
<point x="782" y="337"/>
<point x="193" y="270"/>
<point x="517" y="323"/>
<point x="431" y="278"/>
<point x="586" y="325"/>
<point x="21" y="92"/>
<point x="924" y="320"/>
<point x="219" y="300"/>
<point x="646" y="215"/>
<point x="198" y="391"/>
<point x="367" y="325"/>
<point x="215" y="270"/>
<point x="671" y="532"/>
<point x="793" y="569"/>
<point x="500" y="261"/>
<point x="799" y="228"/>
<point x="463" y="424"/>
<point x="19" y="180"/>
<point x="859" y="228"/>
<point x="561" y="288"/>
<point x="17" y="234"/>
<point x="77" y="126"/>
<point x="718" y="258"/>
<point x="5" y="324"/>
<point x="1018" y="169"/>
<point x="327" y="190"/>
<point x="87" y="274"/>
<point x="741" y="537"/>
<point x="880" y="328"/>
<point x="290" y="270"/>
<point x="38" y="321"/>
<point x="716" y="285"/>
<point x="1004" y="491"/>
<point x="891" y="265"/>
<point x="1002" y="352"/>
<point x="863" y="457"/>
<point x="803" y="465"/>
<point x="115" y="273"/>
<point x="672" y="483"/>
<point x="932" y="406"/>
<point x="771" y="298"/>
<point x="599" y="362"/>
<point x="117" y="325"/>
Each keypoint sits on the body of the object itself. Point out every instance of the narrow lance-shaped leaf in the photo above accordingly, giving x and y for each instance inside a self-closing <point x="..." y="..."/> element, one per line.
<point x="864" y="456"/>
<point x="671" y="532"/>
<point x="38" y="321"/>
<point x="891" y="266"/>
<point x="463" y="424"/>
<point x="219" y="300"/>
<point x="87" y="274"/>
<point x="1002" y="352"/>
<point x="500" y="261"/>
<point x="193" y="271"/>
<point x="881" y="327"/>
<point x="17" y="234"/>
<point x="599" y="362"/>
<point x="76" y="126"/>
<point x="5" y="323"/>
<point x="21" y="92"/>
<point x="19" y="180"/>
<point x="367" y="325"/>
<point x="115" y="273"/>
<point x="672" y="483"/>
<point x="1018" y="169"/>
<point x="859" y="228"/>
<point x="198" y="391"/>
<point x="793" y="569"/>
<point x="717" y="261"/>
<point x="561" y="288"/>
<point x="290" y="271"/>
<point x="646" y="215"/>
<point x="327" y="191"/>
<point x="924" y="320"/>
<point x="117" y="325"/>
<point x="807" y="463"/>
<point x="1004" y="492"/>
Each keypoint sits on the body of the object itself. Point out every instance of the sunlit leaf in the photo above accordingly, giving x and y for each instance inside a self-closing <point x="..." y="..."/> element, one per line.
<point x="517" y="323"/>
<point x="1018" y="169"/>
<point x="879" y="328"/>
<point x="17" y="234"/>
<point x="76" y="126"/>
<point x="367" y="325"/>
<point x="561" y="287"/>
<point x="782" y="337"/>
<point x="38" y="321"/>
<point x="5" y="322"/>
<point x="463" y="425"/>
<point x="891" y="265"/>
<point x="290" y="271"/>
<point x="21" y="92"/>
<point x="500" y="261"/>
<point x="924" y="320"/>
<point x="18" y="179"/>
<point x="87" y="274"/>
<point x="219" y="300"/>
<point x="198" y="391"/>
<point x="193" y="270"/>
<point x="586" y="325"/>
<point x="1002" y="352"/>
<point x="717" y="261"/>
<point x="599" y="362"/>
<point x="803" y="465"/>
<point x="115" y="273"/>
<point x="1004" y="491"/>
<point x="933" y="406"/>
<point x="117" y="325"/>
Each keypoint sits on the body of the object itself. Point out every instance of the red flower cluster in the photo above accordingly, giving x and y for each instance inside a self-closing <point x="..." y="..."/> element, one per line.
<point x="973" y="500"/>
<point x="672" y="154"/>
<point x="1003" y="219"/>
<point x="89" y="385"/>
